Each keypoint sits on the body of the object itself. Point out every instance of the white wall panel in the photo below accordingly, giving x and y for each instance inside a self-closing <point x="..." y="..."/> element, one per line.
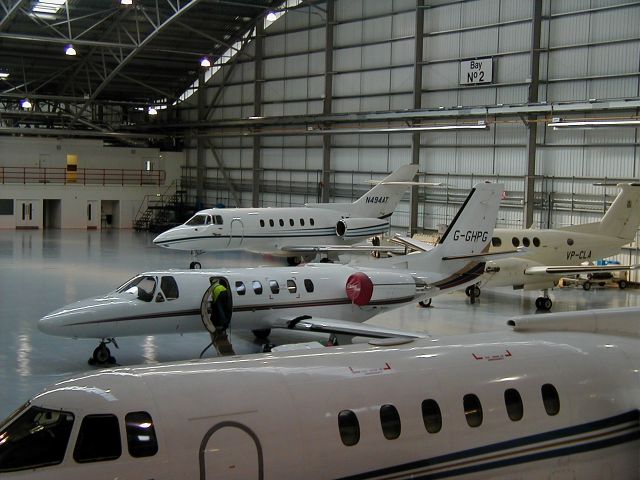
<point x="402" y="52"/>
<point x="247" y="93"/>
<point x="346" y="105"/>
<point x="271" y="158"/>
<point x="377" y="29"/>
<point x="347" y="34"/>
<point x="347" y="84"/>
<point x="398" y="157"/>
<point x="613" y="88"/>
<point x="347" y="59"/>
<point x="563" y="162"/>
<point x="316" y="38"/>
<point x="403" y="24"/>
<point x="401" y="102"/>
<point x="273" y="90"/>
<point x="377" y="7"/>
<point x="620" y="23"/>
<point x="516" y="94"/>
<point x="378" y="55"/>
<point x="316" y="88"/>
<point x="345" y="159"/>
<point x="295" y="89"/>
<point x="609" y="162"/>
<point x="273" y="109"/>
<point x="516" y="10"/>
<point x="401" y="80"/>
<point x="350" y="10"/>
<point x="439" y="99"/>
<point x="316" y="63"/>
<point x="568" y="63"/>
<point x="567" y="91"/>
<point x="373" y="159"/>
<point x="440" y="75"/>
<point x="376" y="81"/>
<point x="441" y="47"/>
<point x="476" y="161"/>
<point x="477" y="96"/>
<point x="295" y="108"/>
<point x="296" y="65"/>
<point x="232" y="95"/>
<point x="608" y="59"/>
<point x="480" y="12"/>
<point x="570" y="30"/>
<point x="377" y="104"/>
<point x="514" y="68"/>
<point x="446" y="17"/>
<point x="514" y="38"/>
<point x="510" y="161"/>
<point x="479" y="43"/>
<point x="514" y="133"/>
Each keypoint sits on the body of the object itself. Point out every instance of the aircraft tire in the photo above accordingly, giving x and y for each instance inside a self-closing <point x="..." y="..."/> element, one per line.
<point x="477" y="291"/>
<point x="101" y="354"/>
<point x="261" y="333"/>
<point x="294" y="261"/>
<point x="425" y="303"/>
<point x="586" y="286"/>
<point x="195" y="265"/>
<point x="622" y="284"/>
<point x="467" y="291"/>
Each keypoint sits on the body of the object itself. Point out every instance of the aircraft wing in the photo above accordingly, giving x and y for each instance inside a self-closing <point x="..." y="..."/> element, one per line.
<point x="486" y="257"/>
<point x="328" y="325"/>
<point x="342" y="248"/>
<point x="577" y="269"/>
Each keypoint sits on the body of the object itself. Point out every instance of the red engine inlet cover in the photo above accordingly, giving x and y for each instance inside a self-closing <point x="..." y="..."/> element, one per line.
<point x="359" y="288"/>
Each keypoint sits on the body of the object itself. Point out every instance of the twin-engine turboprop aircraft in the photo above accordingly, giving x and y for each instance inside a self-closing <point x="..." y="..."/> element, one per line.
<point x="317" y="297"/>
<point x="556" y="398"/>
<point x="275" y="230"/>
<point x="552" y="254"/>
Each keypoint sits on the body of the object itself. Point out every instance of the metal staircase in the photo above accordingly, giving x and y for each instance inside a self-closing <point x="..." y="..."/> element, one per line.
<point x="164" y="210"/>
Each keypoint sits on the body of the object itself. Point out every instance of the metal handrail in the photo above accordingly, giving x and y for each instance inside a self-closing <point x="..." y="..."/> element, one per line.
<point x="82" y="176"/>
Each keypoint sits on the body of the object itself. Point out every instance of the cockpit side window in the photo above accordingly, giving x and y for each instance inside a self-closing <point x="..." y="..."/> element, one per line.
<point x="141" y="436"/>
<point x="198" y="219"/>
<point x="37" y="438"/>
<point x="169" y="287"/>
<point x="145" y="285"/>
<point x="98" y="439"/>
<point x="219" y="220"/>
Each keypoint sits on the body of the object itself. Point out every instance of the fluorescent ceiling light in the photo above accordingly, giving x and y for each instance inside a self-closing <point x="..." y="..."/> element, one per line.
<point x="153" y="111"/>
<point x="126" y="2"/>
<point x="418" y="128"/>
<point x="559" y="123"/>
<point x="205" y="62"/>
<point x="4" y="74"/>
<point x="26" y="104"/>
<point x="69" y="50"/>
<point x="271" y="17"/>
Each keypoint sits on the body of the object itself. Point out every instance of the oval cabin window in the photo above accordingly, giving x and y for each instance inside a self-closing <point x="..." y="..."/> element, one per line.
<point x="349" y="427"/>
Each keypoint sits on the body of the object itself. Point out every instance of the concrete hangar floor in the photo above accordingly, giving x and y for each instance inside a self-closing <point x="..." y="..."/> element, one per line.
<point x="42" y="270"/>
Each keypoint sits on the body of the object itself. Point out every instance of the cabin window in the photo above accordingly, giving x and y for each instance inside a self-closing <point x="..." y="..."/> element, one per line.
<point x="262" y="223"/>
<point x="569" y="241"/>
<point x="349" y="427"/>
<point x="281" y="221"/>
<point x="198" y="219"/>
<point x="308" y="285"/>
<point x="291" y="222"/>
<point x="513" y="402"/>
<point x="257" y="287"/>
<point x="240" y="288"/>
<point x="169" y="287"/>
<point x="37" y="438"/>
<point x="390" y="422"/>
<point x="515" y="242"/>
<point x="291" y="286"/>
<point x="271" y="223"/>
<point x="312" y="222"/>
<point x="472" y="410"/>
<point x="525" y="242"/>
<point x="141" y="435"/>
<point x="550" y="399"/>
<point x="98" y="439"/>
<point x="536" y="242"/>
<point x="496" y="241"/>
<point x="273" y="285"/>
<point x="431" y="416"/>
<point x="219" y="220"/>
<point x="302" y="222"/>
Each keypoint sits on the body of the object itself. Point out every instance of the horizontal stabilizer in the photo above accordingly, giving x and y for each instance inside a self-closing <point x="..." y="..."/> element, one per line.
<point x="327" y="325"/>
<point x="577" y="269"/>
<point x="412" y="243"/>
<point x="485" y="257"/>
<point x="409" y="184"/>
<point x="610" y="321"/>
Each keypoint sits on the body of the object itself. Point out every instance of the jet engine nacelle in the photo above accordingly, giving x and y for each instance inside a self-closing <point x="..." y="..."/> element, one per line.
<point x="361" y="227"/>
<point x="372" y="287"/>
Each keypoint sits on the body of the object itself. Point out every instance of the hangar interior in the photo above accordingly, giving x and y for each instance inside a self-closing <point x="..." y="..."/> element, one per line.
<point x="302" y="101"/>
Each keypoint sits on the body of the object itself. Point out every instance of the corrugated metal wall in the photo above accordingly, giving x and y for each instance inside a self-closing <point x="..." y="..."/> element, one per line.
<point x="590" y="50"/>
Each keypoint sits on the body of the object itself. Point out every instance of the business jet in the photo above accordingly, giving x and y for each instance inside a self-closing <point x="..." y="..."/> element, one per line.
<point x="286" y="231"/>
<point x="331" y="298"/>
<point x="557" y="397"/>
<point x="551" y="254"/>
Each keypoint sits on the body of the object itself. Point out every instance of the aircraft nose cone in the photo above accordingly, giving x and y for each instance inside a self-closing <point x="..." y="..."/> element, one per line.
<point x="51" y="323"/>
<point x="163" y="237"/>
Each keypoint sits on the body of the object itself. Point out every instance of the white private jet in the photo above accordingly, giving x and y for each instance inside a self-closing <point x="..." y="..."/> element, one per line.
<point x="558" y="397"/>
<point x="554" y="253"/>
<point x="274" y="231"/>
<point x="316" y="297"/>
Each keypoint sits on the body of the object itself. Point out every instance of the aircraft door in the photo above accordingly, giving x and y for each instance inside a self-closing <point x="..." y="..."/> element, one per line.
<point x="207" y="314"/>
<point x="236" y="232"/>
<point x="231" y="451"/>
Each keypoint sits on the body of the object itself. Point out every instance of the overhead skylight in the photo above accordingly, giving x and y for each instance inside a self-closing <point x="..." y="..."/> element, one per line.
<point x="48" y="6"/>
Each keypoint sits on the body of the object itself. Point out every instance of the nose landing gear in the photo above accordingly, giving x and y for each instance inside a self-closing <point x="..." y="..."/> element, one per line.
<point x="102" y="355"/>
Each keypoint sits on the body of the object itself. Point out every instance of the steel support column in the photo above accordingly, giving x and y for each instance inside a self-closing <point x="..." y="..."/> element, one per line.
<point x="328" y="99"/>
<point x="201" y="156"/>
<point x="532" y="125"/>
<point x="257" y="111"/>
<point x="417" y="103"/>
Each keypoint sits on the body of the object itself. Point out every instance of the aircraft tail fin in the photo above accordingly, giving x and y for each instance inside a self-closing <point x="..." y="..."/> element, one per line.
<point x="382" y="199"/>
<point x="456" y="256"/>
<point x="622" y="218"/>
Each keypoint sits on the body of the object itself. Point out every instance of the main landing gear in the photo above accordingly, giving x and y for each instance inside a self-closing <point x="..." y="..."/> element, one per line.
<point x="425" y="303"/>
<point x="473" y="292"/>
<point x="195" y="264"/>
<point x="544" y="303"/>
<point x="102" y="354"/>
